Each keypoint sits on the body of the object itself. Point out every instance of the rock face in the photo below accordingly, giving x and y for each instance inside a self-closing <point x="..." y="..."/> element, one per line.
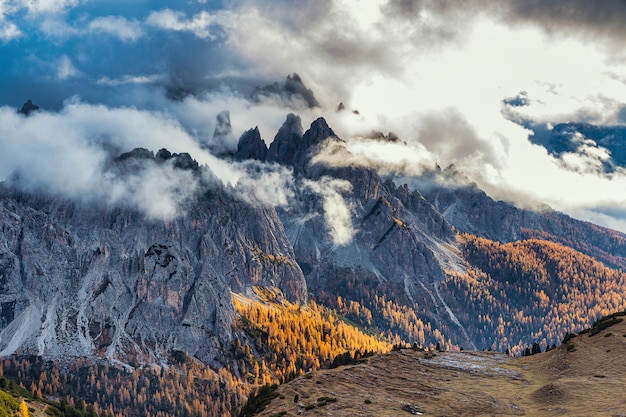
<point x="251" y="146"/>
<point x="223" y="126"/>
<point x="293" y="92"/>
<point x="28" y="107"/>
<point x="295" y="87"/>
<point x="286" y="142"/>
<point x="84" y="280"/>
<point x="222" y="142"/>
<point x="80" y="279"/>
<point x="293" y="148"/>
<point x="471" y="210"/>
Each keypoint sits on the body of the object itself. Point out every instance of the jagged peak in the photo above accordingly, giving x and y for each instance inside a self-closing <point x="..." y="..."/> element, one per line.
<point x="318" y="132"/>
<point x="137" y="153"/>
<point x="287" y="141"/>
<point x="293" y="88"/>
<point x="223" y="127"/>
<point x="28" y="108"/>
<point x="251" y="146"/>
<point x="181" y="160"/>
<point x="292" y="125"/>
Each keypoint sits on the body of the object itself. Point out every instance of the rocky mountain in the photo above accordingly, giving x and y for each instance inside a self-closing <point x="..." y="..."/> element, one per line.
<point x="471" y="210"/>
<point x="292" y="91"/>
<point x="433" y="261"/>
<point x="82" y="280"/>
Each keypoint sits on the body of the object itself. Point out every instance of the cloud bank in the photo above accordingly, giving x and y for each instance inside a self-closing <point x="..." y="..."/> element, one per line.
<point x="441" y="74"/>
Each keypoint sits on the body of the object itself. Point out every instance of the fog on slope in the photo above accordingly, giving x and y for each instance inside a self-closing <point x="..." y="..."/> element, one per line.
<point x="68" y="153"/>
<point x="71" y="154"/>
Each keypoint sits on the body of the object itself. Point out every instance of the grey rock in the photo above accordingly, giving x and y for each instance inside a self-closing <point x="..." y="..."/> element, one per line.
<point x="137" y="154"/>
<point x="292" y="92"/>
<point x="251" y="146"/>
<point x="311" y="140"/>
<point x="80" y="280"/>
<point x="223" y="126"/>
<point x="163" y="155"/>
<point x="28" y="107"/>
<point x="295" y="87"/>
<point x="184" y="161"/>
<point x="286" y="142"/>
<point x="222" y="143"/>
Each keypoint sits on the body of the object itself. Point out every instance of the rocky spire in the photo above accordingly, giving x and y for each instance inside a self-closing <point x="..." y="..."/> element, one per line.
<point x="293" y="91"/>
<point x="295" y="87"/>
<point x="287" y="141"/>
<point x="312" y="138"/>
<point x="223" y="126"/>
<point x="251" y="146"/>
<point x="223" y="142"/>
<point x="28" y="108"/>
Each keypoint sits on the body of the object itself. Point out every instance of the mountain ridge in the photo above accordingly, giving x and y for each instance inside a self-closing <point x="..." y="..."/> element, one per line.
<point x="111" y="283"/>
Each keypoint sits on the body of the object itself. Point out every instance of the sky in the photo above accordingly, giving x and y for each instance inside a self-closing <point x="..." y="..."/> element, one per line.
<point x="455" y="80"/>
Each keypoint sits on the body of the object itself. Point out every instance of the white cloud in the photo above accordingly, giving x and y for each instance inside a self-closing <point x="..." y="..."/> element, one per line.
<point x="9" y="31"/>
<point x="272" y="185"/>
<point x="433" y="72"/>
<point x="444" y="91"/>
<point x="124" y="29"/>
<point x="337" y="213"/>
<point x="55" y="6"/>
<point x="130" y="79"/>
<point x="200" y="24"/>
<point x="65" y="68"/>
<point x="64" y="154"/>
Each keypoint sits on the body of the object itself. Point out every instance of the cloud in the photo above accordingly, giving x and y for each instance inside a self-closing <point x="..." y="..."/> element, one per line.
<point x="9" y="31"/>
<point x="200" y="24"/>
<point x="120" y="27"/>
<point x="130" y="79"/>
<point x="66" y="69"/>
<point x="572" y="17"/>
<point x="68" y="154"/>
<point x="434" y="72"/>
<point x="40" y="6"/>
<point x="337" y="213"/>
<point x="270" y="184"/>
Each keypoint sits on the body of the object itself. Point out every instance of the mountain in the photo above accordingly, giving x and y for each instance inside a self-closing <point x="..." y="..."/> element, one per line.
<point x="193" y="305"/>
<point x="471" y="210"/>
<point x="577" y="378"/>
<point x="293" y="92"/>
<point x="78" y="279"/>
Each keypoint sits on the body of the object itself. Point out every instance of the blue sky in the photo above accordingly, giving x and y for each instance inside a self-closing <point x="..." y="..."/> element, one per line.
<point x="441" y="74"/>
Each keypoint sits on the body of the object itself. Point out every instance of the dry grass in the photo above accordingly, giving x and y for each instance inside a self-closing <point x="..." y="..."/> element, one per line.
<point x="589" y="380"/>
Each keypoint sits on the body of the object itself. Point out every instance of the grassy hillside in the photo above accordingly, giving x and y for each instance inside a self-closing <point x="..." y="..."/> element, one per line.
<point x="582" y="377"/>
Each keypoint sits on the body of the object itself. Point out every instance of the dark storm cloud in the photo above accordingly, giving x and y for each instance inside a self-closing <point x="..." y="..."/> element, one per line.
<point x="587" y="18"/>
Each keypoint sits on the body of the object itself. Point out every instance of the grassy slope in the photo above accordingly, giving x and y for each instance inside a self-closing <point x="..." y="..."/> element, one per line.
<point x="587" y="379"/>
